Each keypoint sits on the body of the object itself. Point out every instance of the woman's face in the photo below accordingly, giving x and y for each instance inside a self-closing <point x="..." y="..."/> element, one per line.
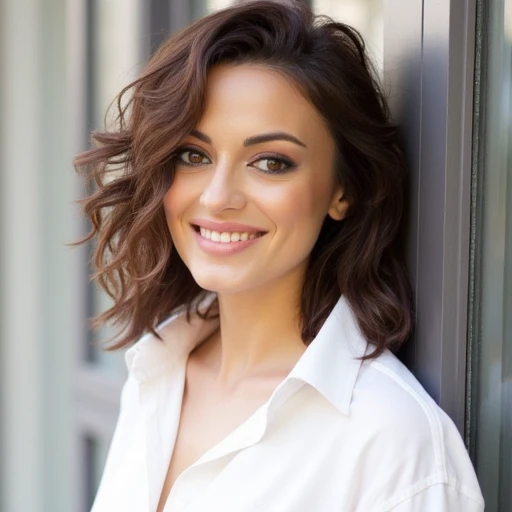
<point x="253" y="183"/>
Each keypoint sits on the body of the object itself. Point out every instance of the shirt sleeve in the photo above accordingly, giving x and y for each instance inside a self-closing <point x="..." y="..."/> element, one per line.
<point x="440" y="497"/>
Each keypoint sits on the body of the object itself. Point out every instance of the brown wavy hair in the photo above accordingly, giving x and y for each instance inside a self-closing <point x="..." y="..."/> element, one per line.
<point x="131" y="166"/>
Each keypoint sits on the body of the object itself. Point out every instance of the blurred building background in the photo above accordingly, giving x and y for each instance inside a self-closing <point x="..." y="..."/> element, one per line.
<point x="448" y="69"/>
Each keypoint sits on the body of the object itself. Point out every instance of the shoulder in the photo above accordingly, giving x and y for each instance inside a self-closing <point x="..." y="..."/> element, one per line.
<point x="410" y="442"/>
<point x="386" y="389"/>
<point x="393" y="414"/>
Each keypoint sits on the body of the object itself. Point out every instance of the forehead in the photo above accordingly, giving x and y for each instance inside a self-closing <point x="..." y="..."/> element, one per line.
<point x="251" y="99"/>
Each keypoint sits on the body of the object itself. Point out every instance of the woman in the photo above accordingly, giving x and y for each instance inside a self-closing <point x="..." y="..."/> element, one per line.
<point x="248" y="211"/>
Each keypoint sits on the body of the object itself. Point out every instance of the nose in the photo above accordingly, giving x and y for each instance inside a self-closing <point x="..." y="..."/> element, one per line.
<point x="223" y="190"/>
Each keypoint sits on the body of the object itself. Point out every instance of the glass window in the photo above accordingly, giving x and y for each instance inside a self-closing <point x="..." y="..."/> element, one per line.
<point x="95" y="452"/>
<point x="115" y="50"/>
<point x="491" y="280"/>
<point x="200" y="8"/>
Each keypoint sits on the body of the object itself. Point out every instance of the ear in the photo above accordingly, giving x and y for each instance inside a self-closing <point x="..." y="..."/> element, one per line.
<point x="339" y="205"/>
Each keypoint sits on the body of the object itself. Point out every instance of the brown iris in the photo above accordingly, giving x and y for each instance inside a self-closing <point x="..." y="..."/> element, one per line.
<point x="274" y="165"/>
<point x="195" y="158"/>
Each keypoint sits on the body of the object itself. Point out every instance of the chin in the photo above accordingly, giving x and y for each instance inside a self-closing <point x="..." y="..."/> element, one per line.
<point x="216" y="282"/>
<point x="213" y="282"/>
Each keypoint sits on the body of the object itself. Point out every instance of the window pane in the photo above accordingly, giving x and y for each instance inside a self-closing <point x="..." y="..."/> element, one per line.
<point x="95" y="456"/>
<point x="364" y="15"/>
<point x="114" y="52"/>
<point x="203" y="7"/>
<point x="115" y="47"/>
<point x="492" y="272"/>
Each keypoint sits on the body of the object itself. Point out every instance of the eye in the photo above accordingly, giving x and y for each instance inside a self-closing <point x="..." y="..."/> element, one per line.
<point x="273" y="164"/>
<point x="191" y="157"/>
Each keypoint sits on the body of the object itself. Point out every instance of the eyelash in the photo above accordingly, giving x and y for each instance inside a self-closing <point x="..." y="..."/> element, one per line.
<point x="269" y="156"/>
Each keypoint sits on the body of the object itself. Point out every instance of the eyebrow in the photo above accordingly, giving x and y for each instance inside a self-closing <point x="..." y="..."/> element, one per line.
<point x="256" y="139"/>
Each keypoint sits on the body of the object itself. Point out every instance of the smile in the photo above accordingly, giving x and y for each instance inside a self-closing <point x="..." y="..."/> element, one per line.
<point x="225" y="243"/>
<point x="226" y="237"/>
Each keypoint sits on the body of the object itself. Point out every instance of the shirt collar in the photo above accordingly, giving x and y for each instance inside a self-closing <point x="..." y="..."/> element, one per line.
<point x="330" y="363"/>
<point x="150" y="357"/>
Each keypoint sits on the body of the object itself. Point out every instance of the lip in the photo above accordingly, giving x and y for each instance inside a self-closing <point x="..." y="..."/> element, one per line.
<point x="226" y="227"/>
<point x="223" y="249"/>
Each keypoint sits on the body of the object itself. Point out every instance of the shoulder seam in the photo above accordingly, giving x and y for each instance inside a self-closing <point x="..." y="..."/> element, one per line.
<point x="434" y="422"/>
<point x="427" y="483"/>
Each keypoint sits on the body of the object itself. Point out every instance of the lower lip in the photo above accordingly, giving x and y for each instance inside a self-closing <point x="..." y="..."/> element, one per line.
<point x="220" y="248"/>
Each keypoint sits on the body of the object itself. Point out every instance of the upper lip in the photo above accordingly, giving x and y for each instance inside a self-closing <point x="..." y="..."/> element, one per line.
<point x="226" y="227"/>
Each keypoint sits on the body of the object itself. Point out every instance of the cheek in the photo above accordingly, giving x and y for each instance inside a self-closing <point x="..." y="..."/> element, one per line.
<point x="169" y="207"/>
<point x="298" y="211"/>
<point x="175" y="204"/>
<point x="307" y="199"/>
<point x="177" y="198"/>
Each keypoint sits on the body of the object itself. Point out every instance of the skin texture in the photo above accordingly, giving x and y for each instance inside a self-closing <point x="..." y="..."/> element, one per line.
<point x="265" y="280"/>
<point x="234" y="372"/>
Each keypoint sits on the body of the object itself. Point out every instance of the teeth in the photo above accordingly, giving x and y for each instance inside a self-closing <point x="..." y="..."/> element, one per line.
<point x="225" y="237"/>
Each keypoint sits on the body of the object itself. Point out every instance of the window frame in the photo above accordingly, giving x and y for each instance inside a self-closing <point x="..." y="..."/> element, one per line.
<point x="430" y="70"/>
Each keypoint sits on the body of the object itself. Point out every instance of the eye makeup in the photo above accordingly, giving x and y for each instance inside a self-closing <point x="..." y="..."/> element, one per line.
<point x="285" y="164"/>
<point x="191" y="150"/>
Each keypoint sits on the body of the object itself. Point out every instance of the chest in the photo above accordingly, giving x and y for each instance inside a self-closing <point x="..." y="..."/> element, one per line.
<point x="303" y="459"/>
<point x="262" y="474"/>
<point x="206" y="419"/>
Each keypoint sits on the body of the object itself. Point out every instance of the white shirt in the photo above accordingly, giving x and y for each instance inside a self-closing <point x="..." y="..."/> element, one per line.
<point x="335" y="436"/>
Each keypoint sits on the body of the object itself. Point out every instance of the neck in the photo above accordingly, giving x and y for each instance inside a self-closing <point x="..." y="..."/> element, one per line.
<point x="260" y="332"/>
